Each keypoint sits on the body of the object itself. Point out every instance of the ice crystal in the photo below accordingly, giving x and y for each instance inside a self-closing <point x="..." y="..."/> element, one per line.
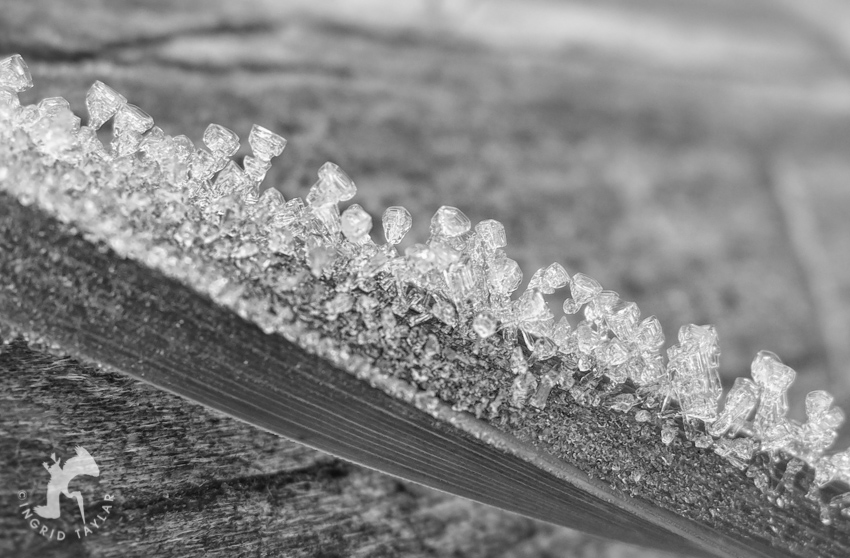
<point x="333" y="186"/>
<point x="504" y="275"/>
<point x="584" y="288"/>
<point x="356" y="224"/>
<point x="823" y="420"/>
<point x="223" y="143"/>
<point x="396" y="222"/>
<point x="549" y="279"/>
<point x="266" y="144"/>
<point x="693" y="365"/>
<point x="544" y="388"/>
<point x="14" y="74"/>
<point x="484" y="324"/>
<point x="103" y="103"/>
<point x="449" y="222"/>
<point x="773" y="379"/>
<point x="197" y="214"/>
<point x="492" y="234"/>
<point x="740" y="402"/>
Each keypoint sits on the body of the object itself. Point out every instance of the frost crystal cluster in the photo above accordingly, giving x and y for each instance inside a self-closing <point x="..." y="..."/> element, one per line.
<point x="196" y="199"/>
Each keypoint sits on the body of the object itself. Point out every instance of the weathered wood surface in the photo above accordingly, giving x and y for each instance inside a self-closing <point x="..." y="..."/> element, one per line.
<point x="188" y="481"/>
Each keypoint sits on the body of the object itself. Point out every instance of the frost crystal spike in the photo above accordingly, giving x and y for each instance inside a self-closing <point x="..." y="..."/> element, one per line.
<point x="693" y="366"/>
<point x="14" y="74"/>
<point x="773" y="379"/>
<point x="396" y="222"/>
<point x="740" y="403"/>
<point x="356" y="224"/>
<point x="103" y="103"/>
<point x="221" y="142"/>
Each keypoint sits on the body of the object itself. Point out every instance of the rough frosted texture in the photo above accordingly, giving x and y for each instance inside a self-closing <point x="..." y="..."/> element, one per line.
<point x="693" y="365"/>
<point x="199" y="217"/>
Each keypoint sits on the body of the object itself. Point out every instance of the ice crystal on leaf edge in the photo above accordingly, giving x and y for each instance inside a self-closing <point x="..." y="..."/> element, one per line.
<point x="461" y="277"/>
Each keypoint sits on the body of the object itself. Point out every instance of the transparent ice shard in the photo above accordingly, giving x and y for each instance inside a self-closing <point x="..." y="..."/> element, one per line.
<point x="544" y="388"/>
<point x="202" y="165"/>
<point x="356" y="224"/>
<point x="333" y="186"/>
<point x="583" y="288"/>
<point x="773" y="379"/>
<point x="256" y="168"/>
<point x="14" y="74"/>
<point x="612" y="354"/>
<point x="492" y="234"/>
<point x="449" y="222"/>
<point x="9" y="104"/>
<point x="561" y="333"/>
<point x="571" y="306"/>
<point x="623" y="402"/>
<point x="738" y="451"/>
<point x="460" y="280"/>
<point x="821" y="427"/>
<point x="650" y="337"/>
<point x="544" y="349"/>
<point x="266" y="144"/>
<point x="128" y="126"/>
<point x="504" y="275"/>
<point x="532" y="307"/>
<point x="396" y="222"/>
<point x="693" y="367"/>
<point x="548" y="279"/>
<point x="740" y="403"/>
<point x="623" y="318"/>
<point x="103" y="103"/>
<point x="587" y="338"/>
<point x="222" y="142"/>
<point x="231" y="180"/>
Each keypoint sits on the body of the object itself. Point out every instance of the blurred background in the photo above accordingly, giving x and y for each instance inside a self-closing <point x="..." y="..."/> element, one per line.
<point x="689" y="154"/>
